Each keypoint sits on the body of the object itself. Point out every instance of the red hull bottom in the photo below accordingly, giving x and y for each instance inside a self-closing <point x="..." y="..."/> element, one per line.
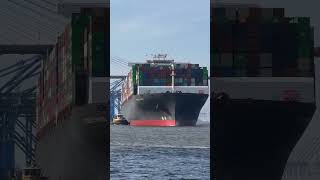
<point x="153" y="123"/>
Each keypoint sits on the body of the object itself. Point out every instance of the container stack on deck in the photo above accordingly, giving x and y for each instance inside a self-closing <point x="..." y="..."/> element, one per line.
<point x="149" y="74"/>
<point x="157" y="75"/>
<point x="80" y="53"/>
<point x="253" y="42"/>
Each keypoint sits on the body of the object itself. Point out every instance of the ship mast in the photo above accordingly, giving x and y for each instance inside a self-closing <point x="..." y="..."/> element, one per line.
<point x="172" y="76"/>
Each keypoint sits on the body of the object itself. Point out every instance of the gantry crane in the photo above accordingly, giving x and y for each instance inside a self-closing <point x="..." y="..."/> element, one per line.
<point x="115" y="96"/>
<point x="17" y="114"/>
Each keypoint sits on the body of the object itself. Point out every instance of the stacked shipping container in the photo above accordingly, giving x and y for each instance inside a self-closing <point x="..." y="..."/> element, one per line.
<point x="255" y="41"/>
<point x="80" y="53"/>
<point x="47" y="92"/>
<point x="65" y="75"/>
<point x="95" y="42"/>
<point x="152" y="74"/>
<point x="158" y="75"/>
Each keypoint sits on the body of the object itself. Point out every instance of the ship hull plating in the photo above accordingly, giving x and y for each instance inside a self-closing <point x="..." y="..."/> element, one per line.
<point x="253" y="139"/>
<point x="76" y="148"/>
<point x="164" y="109"/>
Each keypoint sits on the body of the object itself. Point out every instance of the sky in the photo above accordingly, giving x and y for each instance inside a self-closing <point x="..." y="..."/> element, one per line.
<point x="178" y="28"/>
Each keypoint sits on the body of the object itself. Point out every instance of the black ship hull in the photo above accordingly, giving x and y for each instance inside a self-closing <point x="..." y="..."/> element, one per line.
<point x="164" y="109"/>
<point x="252" y="139"/>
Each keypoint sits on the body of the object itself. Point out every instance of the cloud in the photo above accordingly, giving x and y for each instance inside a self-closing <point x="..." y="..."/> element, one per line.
<point x="178" y="28"/>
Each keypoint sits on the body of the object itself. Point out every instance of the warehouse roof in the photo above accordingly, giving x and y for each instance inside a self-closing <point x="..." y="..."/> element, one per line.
<point x="25" y="49"/>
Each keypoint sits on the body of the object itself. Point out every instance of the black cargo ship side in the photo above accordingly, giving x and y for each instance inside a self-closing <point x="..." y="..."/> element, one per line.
<point x="164" y="109"/>
<point x="252" y="139"/>
<point x="257" y="123"/>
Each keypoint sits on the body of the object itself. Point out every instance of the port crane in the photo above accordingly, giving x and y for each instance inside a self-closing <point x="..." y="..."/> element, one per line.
<point x="115" y="97"/>
<point x="115" y="85"/>
<point x="17" y="114"/>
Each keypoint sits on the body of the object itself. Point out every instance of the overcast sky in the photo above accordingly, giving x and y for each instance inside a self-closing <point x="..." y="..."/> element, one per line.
<point x="178" y="28"/>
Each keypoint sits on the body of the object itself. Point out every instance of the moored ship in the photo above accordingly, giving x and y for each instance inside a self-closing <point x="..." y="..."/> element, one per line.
<point x="263" y="92"/>
<point x="72" y="100"/>
<point x="161" y="92"/>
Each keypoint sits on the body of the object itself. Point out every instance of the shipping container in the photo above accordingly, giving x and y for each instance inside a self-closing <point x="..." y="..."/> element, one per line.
<point x="253" y="38"/>
<point x="71" y="66"/>
<point x="157" y="74"/>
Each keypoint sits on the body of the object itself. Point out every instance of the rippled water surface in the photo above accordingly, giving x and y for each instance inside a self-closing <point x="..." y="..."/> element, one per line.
<point x="160" y="152"/>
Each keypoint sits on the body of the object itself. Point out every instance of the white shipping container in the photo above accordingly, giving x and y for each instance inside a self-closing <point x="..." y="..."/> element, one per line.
<point x="97" y="89"/>
<point x="205" y="83"/>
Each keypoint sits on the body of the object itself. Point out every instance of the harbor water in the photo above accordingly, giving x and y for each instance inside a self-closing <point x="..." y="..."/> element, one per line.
<point x="160" y="152"/>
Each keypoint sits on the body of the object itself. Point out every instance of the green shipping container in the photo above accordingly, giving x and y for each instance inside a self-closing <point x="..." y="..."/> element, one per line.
<point x="240" y="61"/>
<point x="141" y="76"/>
<point x="304" y="51"/>
<point x="99" y="63"/>
<point x="304" y="20"/>
<point x="215" y="60"/>
<point x="134" y="74"/>
<point x="205" y="73"/>
<point x="78" y="25"/>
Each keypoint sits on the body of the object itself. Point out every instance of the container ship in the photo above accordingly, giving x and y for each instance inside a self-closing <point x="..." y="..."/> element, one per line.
<point x="72" y="101"/>
<point x="263" y="89"/>
<point x="162" y="92"/>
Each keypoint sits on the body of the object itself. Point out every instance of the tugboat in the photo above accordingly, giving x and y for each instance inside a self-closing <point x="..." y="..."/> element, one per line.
<point x="119" y="119"/>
